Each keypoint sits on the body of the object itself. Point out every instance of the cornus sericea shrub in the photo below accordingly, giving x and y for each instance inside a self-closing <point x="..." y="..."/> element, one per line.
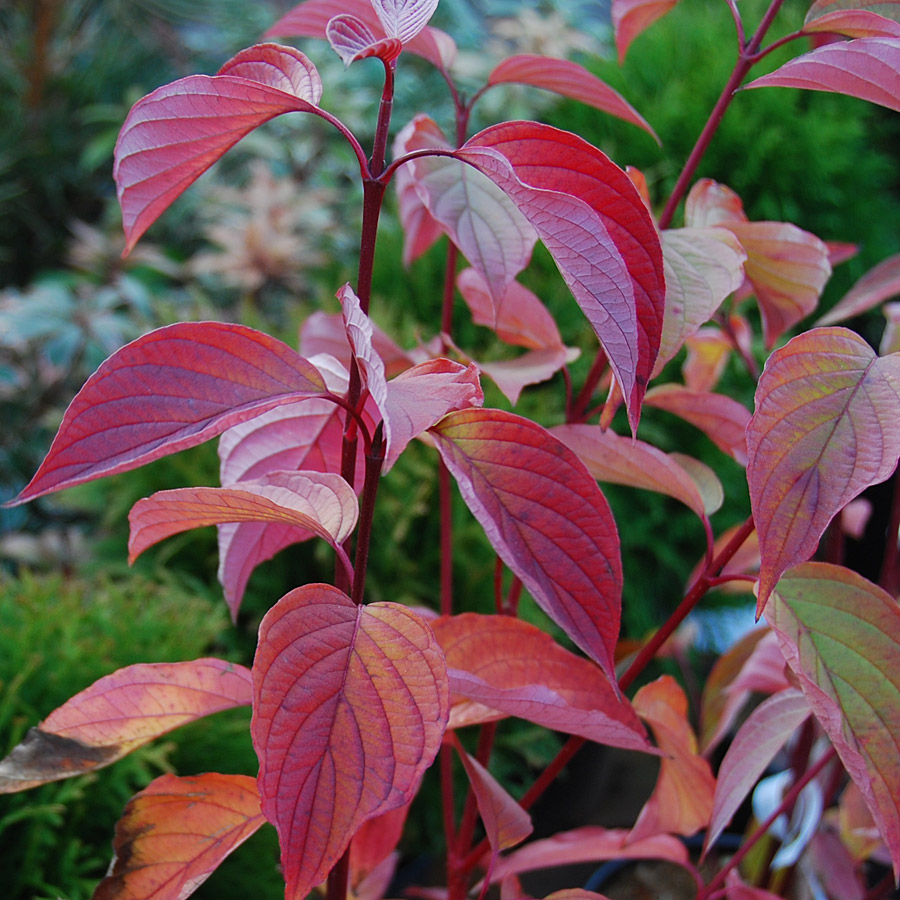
<point x="353" y="702"/>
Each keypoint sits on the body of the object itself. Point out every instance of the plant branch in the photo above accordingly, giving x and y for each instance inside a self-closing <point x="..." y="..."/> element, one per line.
<point x="374" y="462"/>
<point x="339" y="878"/>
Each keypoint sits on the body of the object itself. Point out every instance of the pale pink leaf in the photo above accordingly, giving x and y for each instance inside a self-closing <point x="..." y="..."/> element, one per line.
<point x="119" y="713"/>
<point x="682" y="801"/>
<point x="310" y="19"/>
<point x="866" y="68"/>
<point x="723" y="420"/>
<point x="533" y="367"/>
<point x="854" y="23"/>
<point x="352" y="39"/>
<point x="545" y="516"/>
<point x="710" y="203"/>
<point x="623" y="460"/>
<point x="703" y="266"/>
<point x="589" y="844"/>
<point x="360" y="337"/>
<point x="712" y="494"/>
<point x="599" y="232"/>
<point x="404" y="19"/>
<point x="350" y="706"/>
<point x="176" y="832"/>
<point x="173" y="388"/>
<point x="761" y="736"/>
<point x="631" y="17"/>
<point x="320" y="502"/>
<point x="172" y="136"/>
<point x="888" y="8"/>
<point x="890" y="340"/>
<point x="877" y="285"/>
<point x="840" y="635"/>
<point x="513" y="668"/>
<point x="826" y="426"/>
<point x="568" y="79"/>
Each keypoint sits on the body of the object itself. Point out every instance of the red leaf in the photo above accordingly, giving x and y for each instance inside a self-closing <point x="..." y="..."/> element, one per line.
<point x="172" y="136"/>
<point x="589" y="844"/>
<point x="763" y="734"/>
<point x="352" y="39"/>
<point x="176" y="832"/>
<point x="322" y="503"/>
<point x="840" y="635"/>
<point x="311" y="18"/>
<point x="631" y="17"/>
<point x="826" y="426"/>
<point x="623" y="460"/>
<point x="682" y="801"/>
<point x="516" y="669"/>
<point x="171" y="389"/>
<point x="505" y="822"/>
<point x="602" y="237"/>
<point x="350" y="705"/>
<point x="570" y="80"/>
<point x="723" y="420"/>
<point x="877" y="285"/>
<point x="119" y="713"/>
<point x="866" y="68"/>
<point x="375" y="842"/>
<point x="546" y="518"/>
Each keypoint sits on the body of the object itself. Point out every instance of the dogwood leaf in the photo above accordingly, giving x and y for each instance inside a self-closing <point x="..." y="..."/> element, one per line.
<point x="172" y="136"/>
<point x="322" y="503"/>
<point x="546" y="518"/>
<point x="631" y="17"/>
<point x="866" y="68"/>
<point x="349" y="708"/>
<point x="119" y="713"/>
<point x="513" y="668"/>
<point x="568" y="79"/>
<point x="171" y="389"/>
<point x="840" y="635"/>
<point x="854" y="23"/>
<point x="877" y="285"/>
<point x="598" y="230"/>
<point x="826" y="426"/>
<point x="352" y="39"/>
<point x="175" y="833"/>
<point x="404" y="19"/>
<point x="761" y="736"/>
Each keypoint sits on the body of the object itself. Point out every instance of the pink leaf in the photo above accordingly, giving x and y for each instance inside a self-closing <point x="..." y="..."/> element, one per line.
<point x="119" y="713"/>
<point x="505" y="822"/>
<point x="703" y="266"/>
<point x="545" y="516"/>
<point x="709" y="204"/>
<point x="171" y="389"/>
<point x="762" y="735"/>
<point x="840" y="635"/>
<point x="601" y="235"/>
<point x="866" y="68"/>
<point x="176" y="832"/>
<point x="404" y="19"/>
<point x="570" y="80"/>
<point x="352" y="39"/>
<point x="421" y="396"/>
<point x="723" y="420"/>
<point x="623" y="460"/>
<point x="877" y="285"/>
<point x="631" y="17"/>
<point x="375" y="841"/>
<point x="854" y="23"/>
<point x="708" y="353"/>
<point x="310" y="19"/>
<point x="682" y="801"/>
<point x="350" y="705"/>
<point x="310" y="501"/>
<point x="513" y="375"/>
<point x="360" y="336"/>
<point x="886" y="8"/>
<point x="826" y="426"/>
<point x="175" y="134"/>
<point x="516" y="669"/>
<point x="480" y="219"/>
<point x="590" y="844"/>
<point x="735" y="889"/>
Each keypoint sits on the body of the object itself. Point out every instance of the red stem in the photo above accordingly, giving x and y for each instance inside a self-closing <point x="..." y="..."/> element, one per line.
<point x="446" y="509"/>
<point x="598" y="367"/>
<point x="374" y="462"/>
<point x="889" y="577"/>
<point x="339" y="878"/>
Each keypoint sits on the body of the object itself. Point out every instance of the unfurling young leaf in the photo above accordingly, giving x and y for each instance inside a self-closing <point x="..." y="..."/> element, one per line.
<point x="826" y="426"/>
<point x="349" y="708"/>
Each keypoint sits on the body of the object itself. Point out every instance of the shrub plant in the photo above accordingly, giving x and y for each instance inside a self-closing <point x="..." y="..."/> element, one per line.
<point x="353" y="700"/>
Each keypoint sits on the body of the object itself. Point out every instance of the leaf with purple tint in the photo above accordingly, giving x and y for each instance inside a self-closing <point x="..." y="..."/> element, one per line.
<point x="350" y="706"/>
<point x="172" y="136"/>
<point x="568" y="79"/>
<point x="173" y="388"/>
<point x="352" y="39"/>
<point x="545" y="516"/>
<point x="594" y="223"/>
<point x="826" y="426"/>
<point x="404" y="19"/>
<point x="877" y="285"/>
<point x="854" y="23"/>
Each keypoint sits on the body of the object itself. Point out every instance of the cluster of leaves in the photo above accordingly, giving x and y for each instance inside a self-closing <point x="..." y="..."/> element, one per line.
<point x="352" y="701"/>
